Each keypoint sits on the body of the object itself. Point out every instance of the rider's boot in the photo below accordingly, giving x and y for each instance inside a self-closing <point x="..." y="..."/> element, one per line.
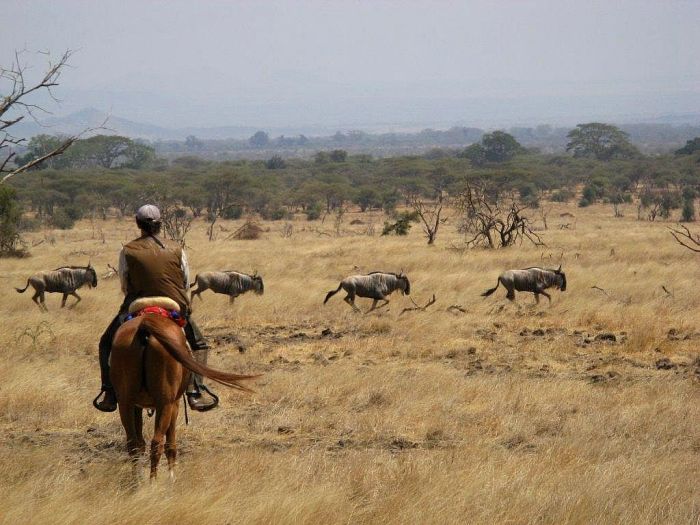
<point x="108" y="403"/>
<point x="199" y="397"/>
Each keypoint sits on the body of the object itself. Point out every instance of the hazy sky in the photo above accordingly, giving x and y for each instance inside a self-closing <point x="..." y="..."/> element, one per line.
<point x="353" y="62"/>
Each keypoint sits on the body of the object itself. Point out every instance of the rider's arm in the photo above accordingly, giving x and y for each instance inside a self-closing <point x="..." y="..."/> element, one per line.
<point x="123" y="272"/>
<point x="184" y="265"/>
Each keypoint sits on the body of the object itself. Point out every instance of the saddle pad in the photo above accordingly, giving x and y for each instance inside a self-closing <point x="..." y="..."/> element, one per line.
<point x="145" y="302"/>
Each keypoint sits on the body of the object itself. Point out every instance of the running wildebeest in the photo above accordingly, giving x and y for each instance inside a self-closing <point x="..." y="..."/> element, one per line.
<point x="65" y="280"/>
<point x="535" y="280"/>
<point x="375" y="285"/>
<point x="227" y="282"/>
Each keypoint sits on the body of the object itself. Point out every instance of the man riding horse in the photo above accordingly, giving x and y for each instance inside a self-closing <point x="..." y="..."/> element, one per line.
<point x="151" y="267"/>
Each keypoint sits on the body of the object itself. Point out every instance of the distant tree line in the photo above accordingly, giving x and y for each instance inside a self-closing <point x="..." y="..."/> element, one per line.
<point x="100" y="176"/>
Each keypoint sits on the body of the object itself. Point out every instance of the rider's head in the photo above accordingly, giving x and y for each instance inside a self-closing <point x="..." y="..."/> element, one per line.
<point x="148" y="219"/>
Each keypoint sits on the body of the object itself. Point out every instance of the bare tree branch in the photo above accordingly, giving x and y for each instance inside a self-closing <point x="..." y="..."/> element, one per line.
<point x="685" y="238"/>
<point x="16" y="101"/>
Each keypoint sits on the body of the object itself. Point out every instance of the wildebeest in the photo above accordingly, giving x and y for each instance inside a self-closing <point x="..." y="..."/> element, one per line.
<point x="227" y="282"/>
<point x="535" y="280"/>
<point x="65" y="280"/>
<point x="375" y="285"/>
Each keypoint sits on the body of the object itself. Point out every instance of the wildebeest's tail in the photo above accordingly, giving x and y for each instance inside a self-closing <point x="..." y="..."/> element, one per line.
<point x="489" y="292"/>
<point x="194" y="283"/>
<point x="23" y="289"/>
<point x="168" y="335"/>
<point x="332" y="293"/>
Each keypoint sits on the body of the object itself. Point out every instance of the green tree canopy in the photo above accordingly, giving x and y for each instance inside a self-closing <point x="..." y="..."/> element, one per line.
<point x="600" y="141"/>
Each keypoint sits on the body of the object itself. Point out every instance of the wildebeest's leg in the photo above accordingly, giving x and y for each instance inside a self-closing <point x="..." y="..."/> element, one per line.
<point x="75" y="294"/>
<point x="511" y="292"/>
<point x="163" y="417"/>
<point x="374" y="305"/>
<point x="35" y="298"/>
<point x="547" y="296"/>
<point x="231" y="298"/>
<point x="170" y="444"/>
<point x="42" y="298"/>
<point x="197" y="292"/>
<point x="350" y="299"/>
<point x="537" y="297"/>
<point x="63" y="301"/>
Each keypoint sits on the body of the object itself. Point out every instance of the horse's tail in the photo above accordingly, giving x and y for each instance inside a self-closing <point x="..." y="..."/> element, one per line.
<point x="23" y="289"/>
<point x="489" y="292"/>
<point x="166" y="332"/>
<point x="332" y="293"/>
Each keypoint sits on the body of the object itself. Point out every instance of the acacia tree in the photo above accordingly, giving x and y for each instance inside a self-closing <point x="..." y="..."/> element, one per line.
<point x="600" y="141"/>
<point x="429" y="213"/>
<point x="492" y="220"/>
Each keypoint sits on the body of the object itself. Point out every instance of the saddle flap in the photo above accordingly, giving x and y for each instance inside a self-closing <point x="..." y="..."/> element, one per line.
<point x="162" y="302"/>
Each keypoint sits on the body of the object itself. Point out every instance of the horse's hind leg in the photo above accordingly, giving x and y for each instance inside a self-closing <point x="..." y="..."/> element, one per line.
<point x="127" y="413"/>
<point x="138" y="424"/>
<point x="170" y="444"/>
<point x="163" y="417"/>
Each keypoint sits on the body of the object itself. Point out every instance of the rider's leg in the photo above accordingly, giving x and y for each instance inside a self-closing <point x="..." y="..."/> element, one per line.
<point x="109" y="401"/>
<point x="197" y="393"/>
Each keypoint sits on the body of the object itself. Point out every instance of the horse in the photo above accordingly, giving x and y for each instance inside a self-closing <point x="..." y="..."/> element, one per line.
<point x="150" y="365"/>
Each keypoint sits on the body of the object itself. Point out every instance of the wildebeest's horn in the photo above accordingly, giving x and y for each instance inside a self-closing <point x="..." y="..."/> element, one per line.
<point x="559" y="269"/>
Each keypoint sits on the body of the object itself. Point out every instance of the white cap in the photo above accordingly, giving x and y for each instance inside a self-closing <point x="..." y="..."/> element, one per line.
<point x="148" y="212"/>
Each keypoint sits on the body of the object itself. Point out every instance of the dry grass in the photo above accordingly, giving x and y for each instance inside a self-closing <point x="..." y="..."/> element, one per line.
<point x="503" y="414"/>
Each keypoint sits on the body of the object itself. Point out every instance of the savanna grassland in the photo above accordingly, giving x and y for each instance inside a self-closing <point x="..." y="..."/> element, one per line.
<point x="503" y="413"/>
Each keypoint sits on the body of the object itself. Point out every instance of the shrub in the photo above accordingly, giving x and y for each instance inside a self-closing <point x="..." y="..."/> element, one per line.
<point x="402" y="225"/>
<point x="563" y="196"/>
<point x="688" y="212"/>
<point x="233" y="213"/>
<point x="61" y="220"/>
<point x="313" y="212"/>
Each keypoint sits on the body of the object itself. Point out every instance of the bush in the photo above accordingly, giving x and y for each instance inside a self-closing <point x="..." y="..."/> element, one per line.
<point x="276" y="214"/>
<point x="688" y="212"/>
<point x="233" y="213"/>
<point x="402" y="225"/>
<point x="563" y="196"/>
<point x="313" y="213"/>
<point x="61" y="219"/>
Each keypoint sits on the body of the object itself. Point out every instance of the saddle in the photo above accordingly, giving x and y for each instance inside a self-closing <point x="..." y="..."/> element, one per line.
<point x="163" y="306"/>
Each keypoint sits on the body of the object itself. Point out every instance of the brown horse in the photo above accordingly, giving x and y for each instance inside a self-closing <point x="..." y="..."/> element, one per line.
<point x="150" y="368"/>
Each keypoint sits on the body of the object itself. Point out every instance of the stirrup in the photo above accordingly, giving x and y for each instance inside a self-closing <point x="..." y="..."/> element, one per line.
<point x="198" y="392"/>
<point x="100" y="408"/>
